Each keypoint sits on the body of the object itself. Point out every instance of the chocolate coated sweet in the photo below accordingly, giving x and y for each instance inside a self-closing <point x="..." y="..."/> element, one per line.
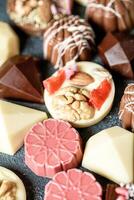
<point x="117" y="52"/>
<point x="126" y="113"/>
<point x="68" y="38"/>
<point x="20" y="79"/>
<point x="110" y="192"/>
<point x="111" y="15"/>
<point x="33" y="16"/>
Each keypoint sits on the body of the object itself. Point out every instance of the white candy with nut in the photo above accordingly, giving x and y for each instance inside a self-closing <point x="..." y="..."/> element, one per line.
<point x="73" y="100"/>
<point x="11" y="186"/>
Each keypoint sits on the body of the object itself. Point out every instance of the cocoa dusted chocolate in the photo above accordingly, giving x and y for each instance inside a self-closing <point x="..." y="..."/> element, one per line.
<point x="111" y="15"/>
<point x="68" y="38"/>
<point x="126" y="112"/>
<point x="117" y="52"/>
<point x="20" y="79"/>
<point x="32" y="16"/>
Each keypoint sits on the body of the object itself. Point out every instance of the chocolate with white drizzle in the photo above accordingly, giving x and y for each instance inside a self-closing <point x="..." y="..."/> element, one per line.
<point x="126" y="113"/>
<point x="33" y="16"/>
<point x="111" y="15"/>
<point x="68" y="38"/>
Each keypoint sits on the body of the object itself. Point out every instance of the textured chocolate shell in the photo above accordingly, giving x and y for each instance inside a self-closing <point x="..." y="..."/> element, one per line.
<point x="68" y="38"/>
<point x="111" y="15"/>
<point x="33" y="16"/>
<point x="126" y="113"/>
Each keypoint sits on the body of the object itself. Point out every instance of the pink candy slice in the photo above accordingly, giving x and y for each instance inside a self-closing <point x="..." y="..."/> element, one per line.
<point x="73" y="185"/>
<point x="52" y="146"/>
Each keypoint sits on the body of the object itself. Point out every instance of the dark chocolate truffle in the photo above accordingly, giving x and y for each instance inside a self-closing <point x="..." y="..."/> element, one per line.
<point x="126" y="113"/>
<point x="20" y="79"/>
<point x="111" y="15"/>
<point x="33" y="16"/>
<point x="117" y="52"/>
<point x="68" y="38"/>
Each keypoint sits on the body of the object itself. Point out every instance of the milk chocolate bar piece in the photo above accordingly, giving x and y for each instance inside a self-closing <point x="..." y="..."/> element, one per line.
<point x="20" y="79"/>
<point x="117" y="51"/>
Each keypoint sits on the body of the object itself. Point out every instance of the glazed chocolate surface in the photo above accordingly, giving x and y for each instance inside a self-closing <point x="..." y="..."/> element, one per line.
<point x="20" y="79"/>
<point x="31" y="45"/>
<point x="116" y="51"/>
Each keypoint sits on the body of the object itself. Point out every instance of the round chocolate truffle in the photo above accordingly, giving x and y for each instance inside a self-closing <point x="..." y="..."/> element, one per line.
<point x="32" y="16"/>
<point x="68" y="38"/>
<point x="126" y="113"/>
<point x="111" y="15"/>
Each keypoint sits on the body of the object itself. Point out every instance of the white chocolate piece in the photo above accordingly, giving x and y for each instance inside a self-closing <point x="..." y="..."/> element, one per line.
<point x="8" y="175"/>
<point x="110" y="153"/>
<point x="9" y="42"/>
<point x="15" y="121"/>
<point x="82" y="2"/>
<point x="99" y="74"/>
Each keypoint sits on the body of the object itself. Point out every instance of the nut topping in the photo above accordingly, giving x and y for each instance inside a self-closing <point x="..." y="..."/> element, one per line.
<point x="7" y="190"/>
<point x="72" y="105"/>
<point x="81" y="79"/>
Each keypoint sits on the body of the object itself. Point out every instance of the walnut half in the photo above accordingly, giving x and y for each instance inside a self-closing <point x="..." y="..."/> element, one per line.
<point x="72" y="104"/>
<point x="7" y="190"/>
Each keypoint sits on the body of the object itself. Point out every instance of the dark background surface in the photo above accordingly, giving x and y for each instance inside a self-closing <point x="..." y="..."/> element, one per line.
<point x="31" y="45"/>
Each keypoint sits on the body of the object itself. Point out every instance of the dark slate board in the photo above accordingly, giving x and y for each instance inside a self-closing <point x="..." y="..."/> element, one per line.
<point x="31" y="45"/>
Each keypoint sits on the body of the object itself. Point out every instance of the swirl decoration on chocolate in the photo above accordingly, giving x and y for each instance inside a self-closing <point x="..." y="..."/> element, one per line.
<point x="126" y="113"/>
<point x="66" y="39"/>
<point x="112" y="15"/>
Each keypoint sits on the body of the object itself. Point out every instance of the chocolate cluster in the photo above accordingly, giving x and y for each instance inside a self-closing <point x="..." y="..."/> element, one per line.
<point x="111" y="15"/>
<point x="33" y="16"/>
<point x="68" y="38"/>
<point x="126" y="113"/>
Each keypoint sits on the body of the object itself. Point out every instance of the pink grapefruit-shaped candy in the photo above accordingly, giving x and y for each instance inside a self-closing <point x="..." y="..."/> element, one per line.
<point x="73" y="185"/>
<point x="52" y="146"/>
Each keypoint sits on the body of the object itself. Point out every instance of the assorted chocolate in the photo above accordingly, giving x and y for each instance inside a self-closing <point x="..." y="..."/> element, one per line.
<point x="106" y="153"/>
<point x="80" y="93"/>
<point x="111" y="15"/>
<point x="68" y="38"/>
<point x="33" y="16"/>
<point x="20" y="79"/>
<point x="83" y="99"/>
<point x="9" y="42"/>
<point x="117" y="52"/>
<point x="126" y="111"/>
